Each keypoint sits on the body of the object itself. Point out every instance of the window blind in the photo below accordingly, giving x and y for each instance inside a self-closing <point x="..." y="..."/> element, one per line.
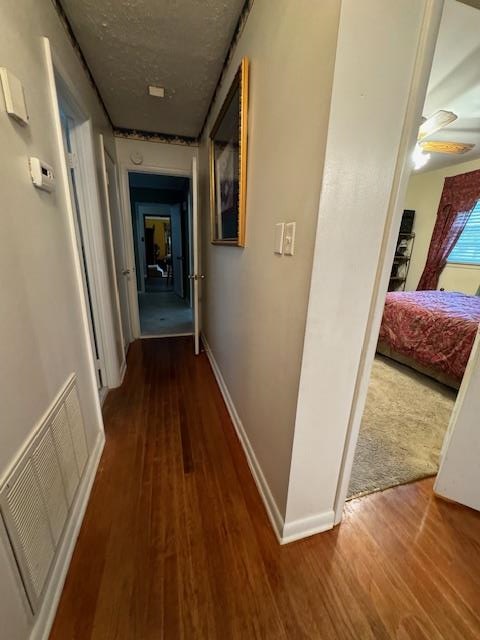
<point x="467" y="249"/>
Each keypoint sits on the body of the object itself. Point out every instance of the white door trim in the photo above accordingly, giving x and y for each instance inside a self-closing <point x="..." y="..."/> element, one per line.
<point x="126" y="207"/>
<point x="63" y="181"/>
<point x="89" y="193"/>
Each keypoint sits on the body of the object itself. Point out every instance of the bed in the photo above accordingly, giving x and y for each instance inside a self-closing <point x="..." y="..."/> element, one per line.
<point x="431" y="331"/>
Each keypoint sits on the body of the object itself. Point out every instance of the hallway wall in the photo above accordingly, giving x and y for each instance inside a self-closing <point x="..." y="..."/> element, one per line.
<point x="254" y="302"/>
<point x="43" y="339"/>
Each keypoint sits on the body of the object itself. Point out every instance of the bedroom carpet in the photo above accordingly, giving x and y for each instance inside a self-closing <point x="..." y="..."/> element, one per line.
<point x="405" y="420"/>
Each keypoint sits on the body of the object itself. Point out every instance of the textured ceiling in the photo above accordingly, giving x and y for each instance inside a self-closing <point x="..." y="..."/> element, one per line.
<point x="177" y="44"/>
<point x="455" y="82"/>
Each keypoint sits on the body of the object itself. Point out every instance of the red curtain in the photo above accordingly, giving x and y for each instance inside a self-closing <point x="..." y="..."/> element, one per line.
<point x="459" y="196"/>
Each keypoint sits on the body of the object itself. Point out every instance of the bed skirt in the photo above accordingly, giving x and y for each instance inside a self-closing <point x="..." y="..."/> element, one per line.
<point x="387" y="351"/>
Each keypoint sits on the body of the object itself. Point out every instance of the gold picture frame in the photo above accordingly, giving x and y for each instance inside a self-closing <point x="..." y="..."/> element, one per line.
<point x="228" y="164"/>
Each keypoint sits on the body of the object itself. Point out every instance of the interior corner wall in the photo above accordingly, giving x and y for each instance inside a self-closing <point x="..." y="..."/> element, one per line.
<point x="253" y="301"/>
<point x="43" y="338"/>
<point x="423" y="195"/>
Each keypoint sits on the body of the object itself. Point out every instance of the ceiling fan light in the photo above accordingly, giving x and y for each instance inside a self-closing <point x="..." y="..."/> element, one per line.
<point x="435" y="122"/>
<point x="420" y="158"/>
<point x="446" y="146"/>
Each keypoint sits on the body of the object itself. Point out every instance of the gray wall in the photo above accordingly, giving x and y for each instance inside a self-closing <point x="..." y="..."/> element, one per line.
<point x="42" y="335"/>
<point x="254" y="302"/>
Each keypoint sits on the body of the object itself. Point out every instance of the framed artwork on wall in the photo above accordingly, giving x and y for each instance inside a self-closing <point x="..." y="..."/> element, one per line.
<point x="228" y="164"/>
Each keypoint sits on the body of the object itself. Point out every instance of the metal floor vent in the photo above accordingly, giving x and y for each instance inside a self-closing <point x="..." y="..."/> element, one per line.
<point x="36" y="498"/>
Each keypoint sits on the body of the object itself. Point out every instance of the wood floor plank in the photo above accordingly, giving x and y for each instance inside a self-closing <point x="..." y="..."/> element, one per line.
<point x="176" y="542"/>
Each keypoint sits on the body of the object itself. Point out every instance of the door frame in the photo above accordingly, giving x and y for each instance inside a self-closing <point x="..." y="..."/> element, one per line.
<point x="139" y="223"/>
<point x="125" y="169"/>
<point x="330" y="421"/>
<point x="159" y="217"/>
<point x="403" y="172"/>
<point x="53" y="67"/>
<point x="419" y="86"/>
<point x="61" y="86"/>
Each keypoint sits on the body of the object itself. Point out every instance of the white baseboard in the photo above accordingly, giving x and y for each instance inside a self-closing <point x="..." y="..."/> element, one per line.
<point x="306" y="527"/>
<point x="102" y="394"/>
<point x="46" y="615"/>
<point x="285" y="532"/>
<point x="273" y="512"/>
<point x="123" y="370"/>
<point x="148" y="336"/>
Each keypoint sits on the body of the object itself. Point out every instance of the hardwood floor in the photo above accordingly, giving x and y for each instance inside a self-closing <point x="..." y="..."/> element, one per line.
<point x="176" y="542"/>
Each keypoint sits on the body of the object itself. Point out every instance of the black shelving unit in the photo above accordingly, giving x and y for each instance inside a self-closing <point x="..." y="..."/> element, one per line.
<point x="401" y="260"/>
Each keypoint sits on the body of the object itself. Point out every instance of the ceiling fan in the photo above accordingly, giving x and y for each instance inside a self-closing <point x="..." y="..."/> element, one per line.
<point x="429" y="126"/>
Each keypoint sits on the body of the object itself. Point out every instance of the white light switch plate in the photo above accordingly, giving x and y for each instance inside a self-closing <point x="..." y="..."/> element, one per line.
<point x="289" y="239"/>
<point x="279" y="232"/>
<point x="14" y="96"/>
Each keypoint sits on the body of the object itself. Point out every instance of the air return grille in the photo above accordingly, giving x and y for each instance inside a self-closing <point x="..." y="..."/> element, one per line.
<point x="37" y="496"/>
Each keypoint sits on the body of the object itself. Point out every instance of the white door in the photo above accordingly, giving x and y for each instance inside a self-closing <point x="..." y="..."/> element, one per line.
<point x="177" y="251"/>
<point x="197" y="278"/>
<point x="121" y="270"/>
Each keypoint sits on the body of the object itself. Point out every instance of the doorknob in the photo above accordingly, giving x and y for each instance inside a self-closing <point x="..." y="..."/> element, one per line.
<point x="125" y="272"/>
<point x="196" y="276"/>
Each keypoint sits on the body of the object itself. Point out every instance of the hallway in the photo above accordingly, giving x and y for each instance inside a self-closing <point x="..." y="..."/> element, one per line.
<point x="176" y="542"/>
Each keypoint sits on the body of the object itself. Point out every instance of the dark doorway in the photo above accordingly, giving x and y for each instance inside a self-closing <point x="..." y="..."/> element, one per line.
<point x="161" y="228"/>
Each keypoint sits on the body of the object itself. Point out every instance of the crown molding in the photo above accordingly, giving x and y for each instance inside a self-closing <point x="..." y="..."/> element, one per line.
<point x="241" y="22"/>
<point x="152" y="136"/>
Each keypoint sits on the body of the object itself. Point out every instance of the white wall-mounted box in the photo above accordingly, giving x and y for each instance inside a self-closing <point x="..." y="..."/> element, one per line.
<point x="42" y="174"/>
<point x="14" y="96"/>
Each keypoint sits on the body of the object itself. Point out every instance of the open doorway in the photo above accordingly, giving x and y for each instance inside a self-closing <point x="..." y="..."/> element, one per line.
<point x="162" y="229"/>
<point x="432" y="309"/>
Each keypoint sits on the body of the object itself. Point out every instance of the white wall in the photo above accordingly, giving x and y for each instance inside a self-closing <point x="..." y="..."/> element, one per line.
<point x="157" y="155"/>
<point x="43" y="338"/>
<point x="378" y="91"/>
<point x="254" y="302"/>
<point x="423" y="195"/>
<point x="458" y="478"/>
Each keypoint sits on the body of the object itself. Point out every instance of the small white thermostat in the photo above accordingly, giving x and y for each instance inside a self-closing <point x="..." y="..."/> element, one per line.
<point x="42" y="174"/>
<point x="14" y="96"/>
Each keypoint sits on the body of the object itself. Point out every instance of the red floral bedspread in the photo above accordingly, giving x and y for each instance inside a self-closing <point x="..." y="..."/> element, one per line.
<point x="435" y="328"/>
